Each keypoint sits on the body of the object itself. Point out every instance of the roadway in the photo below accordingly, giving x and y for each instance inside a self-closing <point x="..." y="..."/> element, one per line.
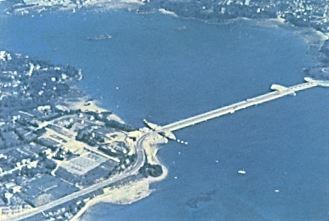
<point x="230" y="109"/>
<point x="140" y="159"/>
<point x="133" y="170"/>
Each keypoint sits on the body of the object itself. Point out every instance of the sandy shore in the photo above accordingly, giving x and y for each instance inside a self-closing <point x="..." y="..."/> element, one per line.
<point x="121" y="195"/>
<point x="92" y="106"/>
<point x="133" y="191"/>
<point x="151" y="149"/>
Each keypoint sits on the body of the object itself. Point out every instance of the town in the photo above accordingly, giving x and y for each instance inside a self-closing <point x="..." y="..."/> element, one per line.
<point x="53" y="142"/>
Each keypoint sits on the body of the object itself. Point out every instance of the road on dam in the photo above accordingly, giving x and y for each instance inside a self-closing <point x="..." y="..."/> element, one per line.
<point x="281" y="91"/>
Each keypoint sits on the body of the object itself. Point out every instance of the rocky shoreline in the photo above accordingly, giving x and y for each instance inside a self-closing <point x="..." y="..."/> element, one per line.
<point x="305" y="15"/>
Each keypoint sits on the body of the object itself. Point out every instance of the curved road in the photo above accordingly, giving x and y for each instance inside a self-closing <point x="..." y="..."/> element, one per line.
<point x="132" y="171"/>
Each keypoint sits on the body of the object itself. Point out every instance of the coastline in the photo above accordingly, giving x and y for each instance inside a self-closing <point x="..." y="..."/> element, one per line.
<point x="137" y="191"/>
<point x="314" y="38"/>
<point x="311" y="36"/>
<point x="131" y="192"/>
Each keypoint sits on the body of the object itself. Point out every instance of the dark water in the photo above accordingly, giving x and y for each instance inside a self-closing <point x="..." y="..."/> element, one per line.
<point x="164" y="69"/>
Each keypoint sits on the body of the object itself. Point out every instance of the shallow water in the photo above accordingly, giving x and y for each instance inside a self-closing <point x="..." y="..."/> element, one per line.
<point x="163" y="69"/>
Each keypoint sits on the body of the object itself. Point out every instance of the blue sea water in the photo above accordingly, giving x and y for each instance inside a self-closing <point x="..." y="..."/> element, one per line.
<point x="164" y="69"/>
